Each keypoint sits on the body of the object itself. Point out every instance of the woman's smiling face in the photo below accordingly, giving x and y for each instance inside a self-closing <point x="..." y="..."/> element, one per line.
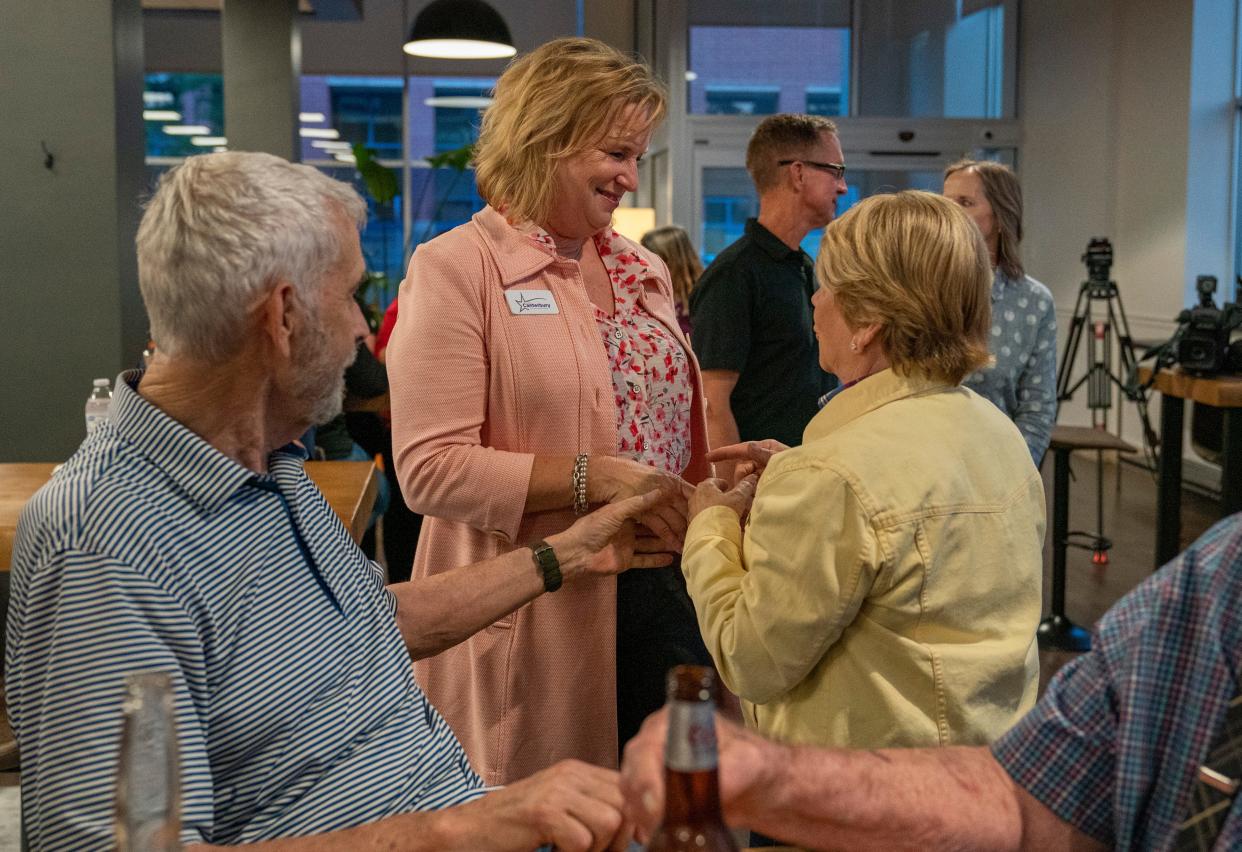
<point x="590" y="184"/>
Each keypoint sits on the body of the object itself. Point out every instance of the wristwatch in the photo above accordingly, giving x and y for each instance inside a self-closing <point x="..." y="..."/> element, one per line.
<point x="549" y="567"/>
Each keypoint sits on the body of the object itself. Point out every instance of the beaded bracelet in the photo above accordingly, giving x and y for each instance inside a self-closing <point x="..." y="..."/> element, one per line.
<point x="579" y="482"/>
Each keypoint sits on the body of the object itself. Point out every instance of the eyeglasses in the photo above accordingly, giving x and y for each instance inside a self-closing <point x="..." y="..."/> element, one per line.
<point x="837" y="170"/>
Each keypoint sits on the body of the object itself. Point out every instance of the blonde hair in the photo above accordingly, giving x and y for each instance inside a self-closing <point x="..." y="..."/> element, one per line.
<point x="549" y="104"/>
<point x="1004" y="194"/>
<point x="914" y="263"/>
<point x="785" y="136"/>
<point x="672" y="244"/>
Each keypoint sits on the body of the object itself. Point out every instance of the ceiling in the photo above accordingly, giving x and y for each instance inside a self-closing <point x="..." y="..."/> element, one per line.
<point x="324" y="10"/>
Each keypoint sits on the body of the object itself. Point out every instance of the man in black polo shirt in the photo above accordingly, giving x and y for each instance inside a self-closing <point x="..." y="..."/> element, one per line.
<point x="751" y="310"/>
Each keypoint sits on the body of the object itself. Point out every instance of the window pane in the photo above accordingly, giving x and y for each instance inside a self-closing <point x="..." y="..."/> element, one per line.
<point x="458" y="125"/>
<point x="932" y="59"/>
<point x="368" y="110"/>
<point x="195" y="99"/>
<point x="729" y="200"/>
<point x="760" y="70"/>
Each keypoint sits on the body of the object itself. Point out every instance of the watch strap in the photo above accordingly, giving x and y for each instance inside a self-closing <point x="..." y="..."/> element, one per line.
<point x="549" y="565"/>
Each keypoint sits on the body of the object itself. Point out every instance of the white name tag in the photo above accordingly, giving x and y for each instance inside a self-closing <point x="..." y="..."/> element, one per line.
<point x="531" y="302"/>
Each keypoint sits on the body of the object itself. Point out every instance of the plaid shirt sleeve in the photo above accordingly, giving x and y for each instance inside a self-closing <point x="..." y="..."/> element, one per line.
<point x="1064" y="751"/>
<point x="1113" y="746"/>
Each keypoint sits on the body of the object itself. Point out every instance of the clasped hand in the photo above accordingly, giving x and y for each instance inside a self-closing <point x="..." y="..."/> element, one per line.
<point x="610" y="540"/>
<point x="750" y="459"/>
<point x="612" y="479"/>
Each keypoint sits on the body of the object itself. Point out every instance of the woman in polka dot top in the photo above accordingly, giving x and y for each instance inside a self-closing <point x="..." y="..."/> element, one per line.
<point x="1022" y="382"/>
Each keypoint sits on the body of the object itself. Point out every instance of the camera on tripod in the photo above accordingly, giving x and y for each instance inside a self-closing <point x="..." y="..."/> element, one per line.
<point x="1204" y="331"/>
<point x="1099" y="260"/>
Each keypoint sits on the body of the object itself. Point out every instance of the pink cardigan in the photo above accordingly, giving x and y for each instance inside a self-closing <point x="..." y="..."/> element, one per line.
<point x="478" y="392"/>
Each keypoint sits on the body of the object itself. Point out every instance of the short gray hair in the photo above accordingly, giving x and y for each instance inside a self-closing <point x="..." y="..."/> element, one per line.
<point x="220" y="230"/>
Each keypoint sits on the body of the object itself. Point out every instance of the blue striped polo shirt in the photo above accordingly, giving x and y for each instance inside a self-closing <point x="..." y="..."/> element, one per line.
<point x="296" y="707"/>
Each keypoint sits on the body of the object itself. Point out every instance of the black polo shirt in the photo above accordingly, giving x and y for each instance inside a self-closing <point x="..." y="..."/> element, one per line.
<point x="751" y="314"/>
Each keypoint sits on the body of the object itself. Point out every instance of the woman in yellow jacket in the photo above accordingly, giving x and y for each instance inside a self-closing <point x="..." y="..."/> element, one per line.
<point x="885" y="590"/>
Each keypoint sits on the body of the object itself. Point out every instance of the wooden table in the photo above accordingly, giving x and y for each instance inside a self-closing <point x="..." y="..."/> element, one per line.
<point x="349" y="486"/>
<point x="1176" y="386"/>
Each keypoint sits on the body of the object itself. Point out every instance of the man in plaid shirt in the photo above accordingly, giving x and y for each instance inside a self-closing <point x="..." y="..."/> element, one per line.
<point x="1107" y="759"/>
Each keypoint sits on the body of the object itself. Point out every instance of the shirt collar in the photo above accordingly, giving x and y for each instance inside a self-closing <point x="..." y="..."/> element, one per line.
<point x="771" y="243"/>
<point x="624" y="265"/>
<point x="855" y="400"/>
<point x="999" y="281"/>
<point x="521" y="252"/>
<point x="204" y="473"/>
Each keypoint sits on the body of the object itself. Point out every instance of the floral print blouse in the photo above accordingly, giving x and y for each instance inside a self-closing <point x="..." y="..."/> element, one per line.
<point x="650" y="369"/>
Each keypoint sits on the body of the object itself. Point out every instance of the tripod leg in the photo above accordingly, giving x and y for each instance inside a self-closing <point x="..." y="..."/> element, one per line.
<point x="1129" y="362"/>
<point x="1072" y="339"/>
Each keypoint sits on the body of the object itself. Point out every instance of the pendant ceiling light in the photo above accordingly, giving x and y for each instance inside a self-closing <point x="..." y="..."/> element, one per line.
<point x="460" y="29"/>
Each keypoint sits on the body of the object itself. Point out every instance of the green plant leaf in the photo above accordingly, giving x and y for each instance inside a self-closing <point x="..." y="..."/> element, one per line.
<point x="381" y="181"/>
<point x="457" y="159"/>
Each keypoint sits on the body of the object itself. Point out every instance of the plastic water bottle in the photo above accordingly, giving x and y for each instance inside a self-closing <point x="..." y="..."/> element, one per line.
<point x="97" y="404"/>
<point x="148" y="783"/>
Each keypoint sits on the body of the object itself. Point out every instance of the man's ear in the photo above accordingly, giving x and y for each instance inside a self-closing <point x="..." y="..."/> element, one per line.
<point x="796" y="175"/>
<point x="279" y="314"/>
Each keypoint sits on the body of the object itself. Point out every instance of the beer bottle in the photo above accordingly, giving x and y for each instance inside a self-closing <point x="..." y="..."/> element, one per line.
<point x="148" y="780"/>
<point x="692" y="818"/>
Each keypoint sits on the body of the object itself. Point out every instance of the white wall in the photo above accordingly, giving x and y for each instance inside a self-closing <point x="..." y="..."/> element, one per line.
<point x="1104" y="102"/>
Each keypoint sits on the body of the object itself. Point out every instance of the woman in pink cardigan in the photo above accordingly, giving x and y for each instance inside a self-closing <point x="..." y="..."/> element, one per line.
<point x="537" y="368"/>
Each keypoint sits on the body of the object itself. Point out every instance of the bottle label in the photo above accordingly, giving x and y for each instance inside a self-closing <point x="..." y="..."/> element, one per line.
<point x="691" y="745"/>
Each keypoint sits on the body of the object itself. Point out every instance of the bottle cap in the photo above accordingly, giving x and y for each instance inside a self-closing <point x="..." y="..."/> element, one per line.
<point x="101" y="383"/>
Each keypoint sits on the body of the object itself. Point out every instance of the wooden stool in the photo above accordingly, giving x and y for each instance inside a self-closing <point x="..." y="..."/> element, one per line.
<point x="1057" y="631"/>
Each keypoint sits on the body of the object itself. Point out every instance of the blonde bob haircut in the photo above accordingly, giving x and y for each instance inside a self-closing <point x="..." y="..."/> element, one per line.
<point x="915" y="264"/>
<point x="556" y="101"/>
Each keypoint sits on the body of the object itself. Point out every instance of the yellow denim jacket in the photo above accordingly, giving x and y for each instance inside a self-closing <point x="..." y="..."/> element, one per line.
<point x="887" y="589"/>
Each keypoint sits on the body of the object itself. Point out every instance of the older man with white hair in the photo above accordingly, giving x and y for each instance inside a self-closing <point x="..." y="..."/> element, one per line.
<point x="184" y="536"/>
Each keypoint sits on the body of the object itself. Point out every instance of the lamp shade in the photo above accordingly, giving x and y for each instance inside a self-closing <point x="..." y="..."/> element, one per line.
<point x="633" y="222"/>
<point x="460" y="29"/>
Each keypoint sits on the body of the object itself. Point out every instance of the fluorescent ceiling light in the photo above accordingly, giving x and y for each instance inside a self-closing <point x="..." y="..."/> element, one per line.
<point x="319" y="133"/>
<point x="345" y="158"/>
<point x="155" y="99"/>
<point x="219" y="149"/>
<point x="209" y="141"/>
<point x="691" y="76"/>
<point x="161" y="115"/>
<point x="458" y="48"/>
<point x="186" y="129"/>
<point x="310" y="117"/>
<point x="459" y="101"/>
<point x="332" y="145"/>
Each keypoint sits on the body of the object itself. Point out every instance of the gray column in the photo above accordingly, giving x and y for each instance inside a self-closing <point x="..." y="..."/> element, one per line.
<point x="71" y="177"/>
<point x="262" y="60"/>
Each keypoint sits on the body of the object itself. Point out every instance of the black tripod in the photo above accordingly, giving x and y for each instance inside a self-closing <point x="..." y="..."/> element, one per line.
<point x="1099" y="309"/>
